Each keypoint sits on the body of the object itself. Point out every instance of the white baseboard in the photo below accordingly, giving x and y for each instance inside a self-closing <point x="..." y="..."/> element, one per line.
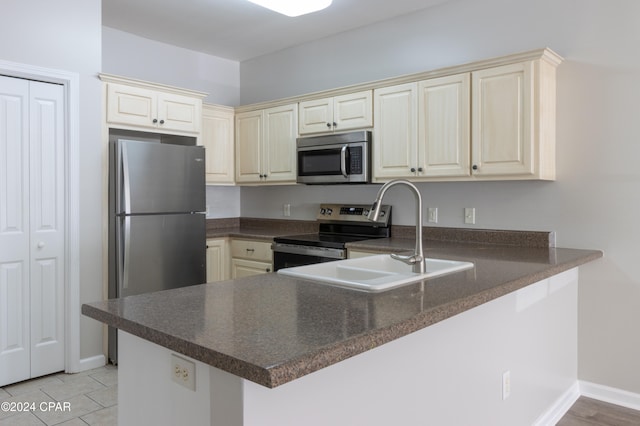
<point x="560" y="407"/>
<point x="610" y="395"/>
<point x="591" y="390"/>
<point x="91" y="363"/>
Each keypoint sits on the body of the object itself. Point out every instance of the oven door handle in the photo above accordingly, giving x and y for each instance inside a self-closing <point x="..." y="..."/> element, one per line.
<point x="343" y="160"/>
<point x="308" y="251"/>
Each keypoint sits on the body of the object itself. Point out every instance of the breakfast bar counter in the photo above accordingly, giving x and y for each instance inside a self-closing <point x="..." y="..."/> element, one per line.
<point x="271" y="330"/>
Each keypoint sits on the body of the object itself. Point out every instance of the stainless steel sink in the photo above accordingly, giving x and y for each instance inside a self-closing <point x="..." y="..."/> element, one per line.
<point x="373" y="273"/>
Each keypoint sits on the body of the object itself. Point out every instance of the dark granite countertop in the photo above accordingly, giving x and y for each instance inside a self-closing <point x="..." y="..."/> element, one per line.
<point x="272" y="329"/>
<point x="258" y="229"/>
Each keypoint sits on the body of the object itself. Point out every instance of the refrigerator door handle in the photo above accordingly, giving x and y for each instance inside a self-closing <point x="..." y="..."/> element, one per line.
<point x="124" y="249"/>
<point x="126" y="182"/>
<point x="127" y="251"/>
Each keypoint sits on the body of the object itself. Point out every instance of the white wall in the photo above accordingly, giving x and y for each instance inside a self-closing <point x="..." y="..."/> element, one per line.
<point x="137" y="57"/>
<point x="65" y="35"/>
<point x="593" y="203"/>
<point x="223" y="201"/>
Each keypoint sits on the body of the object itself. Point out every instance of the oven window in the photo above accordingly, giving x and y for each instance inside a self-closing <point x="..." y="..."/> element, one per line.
<point x="321" y="162"/>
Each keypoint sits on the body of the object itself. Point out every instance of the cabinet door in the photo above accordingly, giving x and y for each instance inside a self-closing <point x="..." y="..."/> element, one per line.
<point x="131" y="105"/>
<point x="217" y="260"/>
<point x="443" y="126"/>
<point x="396" y="132"/>
<point x="245" y="268"/>
<point x="502" y="121"/>
<point x="180" y="113"/>
<point x="316" y="116"/>
<point x="280" y="133"/>
<point x="249" y="147"/>
<point x="218" y="140"/>
<point x="353" y="111"/>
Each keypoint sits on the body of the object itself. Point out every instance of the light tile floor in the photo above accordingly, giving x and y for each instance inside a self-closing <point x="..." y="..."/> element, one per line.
<point x="92" y="398"/>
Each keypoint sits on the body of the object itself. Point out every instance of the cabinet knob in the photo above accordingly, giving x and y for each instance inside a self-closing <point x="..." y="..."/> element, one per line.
<point x="155" y="120"/>
<point x="474" y="167"/>
<point x="265" y="176"/>
<point x="250" y="250"/>
<point x="335" y="124"/>
<point x="329" y="125"/>
<point x="40" y="244"/>
<point x="268" y="269"/>
<point x="161" y="121"/>
<point x="419" y="169"/>
<point x="413" y="170"/>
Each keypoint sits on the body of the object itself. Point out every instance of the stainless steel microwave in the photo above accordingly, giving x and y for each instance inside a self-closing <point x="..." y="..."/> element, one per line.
<point x="335" y="158"/>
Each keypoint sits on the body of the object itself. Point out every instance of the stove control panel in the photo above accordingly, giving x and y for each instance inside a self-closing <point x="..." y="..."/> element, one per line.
<point x="351" y="213"/>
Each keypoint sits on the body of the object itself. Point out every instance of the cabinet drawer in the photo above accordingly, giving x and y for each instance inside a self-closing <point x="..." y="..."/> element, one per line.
<point x="250" y="249"/>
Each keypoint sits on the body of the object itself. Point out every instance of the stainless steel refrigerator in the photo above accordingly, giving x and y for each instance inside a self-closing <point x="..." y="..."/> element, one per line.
<point x="156" y="215"/>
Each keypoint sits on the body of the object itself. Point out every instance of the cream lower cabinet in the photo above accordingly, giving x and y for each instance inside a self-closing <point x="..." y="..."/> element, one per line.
<point x="217" y="138"/>
<point x="218" y="260"/>
<point x="266" y="145"/>
<point x="250" y="257"/>
<point x="422" y="129"/>
<point x="338" y="113"/>
<point x="147" y="106"/>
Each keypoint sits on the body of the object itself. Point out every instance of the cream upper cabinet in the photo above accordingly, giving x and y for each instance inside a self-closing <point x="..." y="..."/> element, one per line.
<point x="443" y="126"/>
<point x="395" y="142"/>
<point x="422" y="129"/>
<point x="513" y="116"/>
<point x="266" y="145"/>
<point x="249" y="146"/>
<point x="149" y="108"/>
<point x="218" y="140"/>
<point x="338" y="113"/>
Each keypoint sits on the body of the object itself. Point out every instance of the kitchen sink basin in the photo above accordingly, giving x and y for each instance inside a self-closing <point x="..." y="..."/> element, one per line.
<point x="373" y="273"/>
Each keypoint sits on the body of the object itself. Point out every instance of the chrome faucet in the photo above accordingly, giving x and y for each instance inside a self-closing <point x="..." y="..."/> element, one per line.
<point x="417" y="260"/>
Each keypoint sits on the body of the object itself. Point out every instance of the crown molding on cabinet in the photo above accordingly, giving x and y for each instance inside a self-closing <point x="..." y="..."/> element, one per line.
<point x="545" y="54"/>
<point x="111" y="78"/>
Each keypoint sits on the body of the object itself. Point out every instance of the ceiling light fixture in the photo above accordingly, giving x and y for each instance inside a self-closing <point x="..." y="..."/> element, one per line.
<point x="293" y="7"/>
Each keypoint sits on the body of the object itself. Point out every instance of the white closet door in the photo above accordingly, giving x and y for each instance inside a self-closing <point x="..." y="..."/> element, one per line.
<point x="47" y="206"/>
<point x="15" y="352"/>
<point x="32" y="215"/>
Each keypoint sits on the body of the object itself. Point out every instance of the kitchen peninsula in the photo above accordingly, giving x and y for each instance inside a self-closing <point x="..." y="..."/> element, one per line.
<point x="273" y="350"/>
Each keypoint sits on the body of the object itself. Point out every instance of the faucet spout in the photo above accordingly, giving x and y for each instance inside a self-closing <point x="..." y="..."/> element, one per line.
<point x="417" y="259"/>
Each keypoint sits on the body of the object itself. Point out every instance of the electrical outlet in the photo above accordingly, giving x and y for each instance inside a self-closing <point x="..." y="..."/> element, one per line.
<point x="432" y="214"/>
<point x="286" y="210"/>
<point x="506" y="384"/>
<point x="469" y="215"/>
<point x="183" y="372"/>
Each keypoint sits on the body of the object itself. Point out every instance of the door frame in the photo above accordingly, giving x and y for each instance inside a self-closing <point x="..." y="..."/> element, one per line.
<point x="71" y="83"/>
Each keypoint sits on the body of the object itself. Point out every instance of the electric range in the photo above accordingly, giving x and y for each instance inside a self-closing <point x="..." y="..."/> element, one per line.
<point x="338" y="224"/>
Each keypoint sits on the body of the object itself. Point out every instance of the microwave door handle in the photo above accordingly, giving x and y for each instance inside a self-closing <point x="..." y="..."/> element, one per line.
<point x="343" y="161"/>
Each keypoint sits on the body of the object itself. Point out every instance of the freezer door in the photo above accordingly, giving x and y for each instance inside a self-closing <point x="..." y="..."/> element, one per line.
<point x="153" y="177"/>
<point x="159" y="252"/>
